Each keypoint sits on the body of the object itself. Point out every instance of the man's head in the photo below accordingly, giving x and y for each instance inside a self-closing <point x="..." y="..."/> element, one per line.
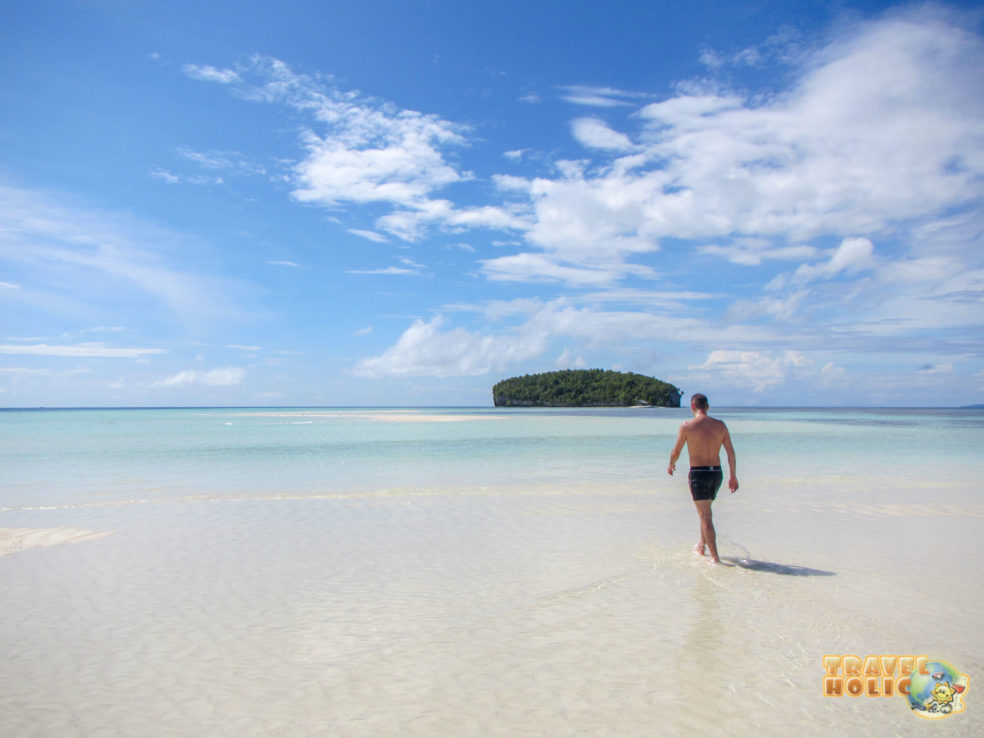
<point x="698" y="402"/>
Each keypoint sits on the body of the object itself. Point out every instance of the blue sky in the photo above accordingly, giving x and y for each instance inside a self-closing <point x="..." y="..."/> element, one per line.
<point x="400" y="203"/>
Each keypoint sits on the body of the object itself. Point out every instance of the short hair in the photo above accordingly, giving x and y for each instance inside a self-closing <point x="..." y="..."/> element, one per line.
<point x="699" y="401"/>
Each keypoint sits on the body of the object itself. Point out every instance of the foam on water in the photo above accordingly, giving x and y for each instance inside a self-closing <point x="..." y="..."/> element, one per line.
<point x="515" y="573"/>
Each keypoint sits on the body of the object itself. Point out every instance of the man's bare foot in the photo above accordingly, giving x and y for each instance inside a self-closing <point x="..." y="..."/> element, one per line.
<point x="699" y="548"/>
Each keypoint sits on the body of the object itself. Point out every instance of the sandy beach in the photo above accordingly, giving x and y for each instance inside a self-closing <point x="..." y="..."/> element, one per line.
<point x="581" y="614"/>
<point x="512" y="610"/>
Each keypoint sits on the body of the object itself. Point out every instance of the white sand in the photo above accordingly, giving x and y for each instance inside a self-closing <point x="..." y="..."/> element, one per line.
<point x="13" y="540"/>
<point x="480" y="614"/>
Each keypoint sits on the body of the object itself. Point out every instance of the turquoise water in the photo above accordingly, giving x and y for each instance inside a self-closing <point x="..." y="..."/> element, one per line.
<point x="59" y="458"/>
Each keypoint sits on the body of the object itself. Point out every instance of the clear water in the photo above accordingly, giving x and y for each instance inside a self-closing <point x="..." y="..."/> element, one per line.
<point x="52" y="458"/>
<point x="477" y="571"/>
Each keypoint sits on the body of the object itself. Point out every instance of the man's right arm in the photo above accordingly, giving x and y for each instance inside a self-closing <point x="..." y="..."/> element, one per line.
<point x="675" y="454"/>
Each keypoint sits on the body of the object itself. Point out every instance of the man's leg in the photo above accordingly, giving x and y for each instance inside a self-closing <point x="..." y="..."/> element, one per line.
<point x="707" y="535"/>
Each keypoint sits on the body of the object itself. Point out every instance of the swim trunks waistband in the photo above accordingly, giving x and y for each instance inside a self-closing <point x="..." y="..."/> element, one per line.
<point x="705" y="468"/>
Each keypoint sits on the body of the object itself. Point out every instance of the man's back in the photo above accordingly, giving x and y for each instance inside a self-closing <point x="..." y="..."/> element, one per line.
<point x="704" y="436"/>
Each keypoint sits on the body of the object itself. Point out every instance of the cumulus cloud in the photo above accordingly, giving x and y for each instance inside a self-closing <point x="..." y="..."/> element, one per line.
<point x="853" y="255"/>
<point x="359" y="150"/>
<point x="223" y="377"/>
<point x="882" y="126"/>
<point x="425" y="350"/>
<point x="757" y="370"/>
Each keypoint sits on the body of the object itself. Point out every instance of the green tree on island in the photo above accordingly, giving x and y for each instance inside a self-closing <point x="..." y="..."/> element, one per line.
<point x="584" y="388"/>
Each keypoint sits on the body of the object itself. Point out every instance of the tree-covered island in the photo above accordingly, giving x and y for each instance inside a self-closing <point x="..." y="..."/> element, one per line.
<point x="584" y="388"/>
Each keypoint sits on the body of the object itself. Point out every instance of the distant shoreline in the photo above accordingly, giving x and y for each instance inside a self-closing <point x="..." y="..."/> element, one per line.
<point x="44" y="408"/>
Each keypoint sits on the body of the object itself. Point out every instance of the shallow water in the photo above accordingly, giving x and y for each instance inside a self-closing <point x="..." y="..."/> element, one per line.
<point x="478" y="572"/>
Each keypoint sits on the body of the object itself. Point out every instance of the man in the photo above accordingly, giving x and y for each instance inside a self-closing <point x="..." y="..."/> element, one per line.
<point x="703" y="436"/>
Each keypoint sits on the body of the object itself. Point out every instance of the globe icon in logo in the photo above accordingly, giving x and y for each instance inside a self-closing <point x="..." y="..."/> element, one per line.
<point x="938" y="692"/>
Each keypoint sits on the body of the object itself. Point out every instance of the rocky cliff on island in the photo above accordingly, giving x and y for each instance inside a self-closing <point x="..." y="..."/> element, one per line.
<point x="585" y="388"/>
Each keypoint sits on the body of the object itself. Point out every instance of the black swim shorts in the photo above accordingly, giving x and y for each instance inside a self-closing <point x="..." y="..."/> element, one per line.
<point x="705" y="481"/>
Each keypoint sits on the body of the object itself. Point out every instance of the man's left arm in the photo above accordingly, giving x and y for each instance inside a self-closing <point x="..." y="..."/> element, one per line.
<point x="729" y="449"/>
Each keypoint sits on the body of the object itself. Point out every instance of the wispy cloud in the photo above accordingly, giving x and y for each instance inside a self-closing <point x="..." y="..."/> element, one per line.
<point x="76" y="258"/>
<point x="600" y="97"/>
<point x="224" y="377"/>
<point x="81" y="350"/>
<point x="360" y="150"/>
<point x="211" y="74"/>
<point x="408" y="268"/>
<point x="369" y="235"/>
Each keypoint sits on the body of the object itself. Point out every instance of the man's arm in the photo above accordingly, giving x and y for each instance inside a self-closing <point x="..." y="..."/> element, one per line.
<point x="732" y="462"/>
<point x="675" y="453"/>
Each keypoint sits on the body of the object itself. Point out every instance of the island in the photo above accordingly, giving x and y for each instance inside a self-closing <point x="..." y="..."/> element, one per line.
<point x="585" y="388"/>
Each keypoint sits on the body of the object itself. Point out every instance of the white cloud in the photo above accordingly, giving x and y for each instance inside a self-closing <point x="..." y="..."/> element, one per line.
<point x="291" y="264"/>
<point x="757" y="370"/>
<point x="411" y="225"/>
<point x="409" y="268"/>
<point x="20" y="371"/>
<point x="227" y="161"/>
<point x="211" y="74"/>
<point x="223" y="377"/>
<point x="164" y="176"/>
<point x="105" y="329"/>
<point x="81" y="350"/>
<point x="753" y="251"/>
<point x="358" y="150"/>
<point x="853" y="255"/>
<point x="596" y="134"/>
<point x="880" y="129"/>
<point x="424" y="350"/>
<point x="598" y="97"/>
<point x="79" y="258"/>
<point x="369" y="235"/>
<point x="541" y="268"/>
<point x="779" y="308"/>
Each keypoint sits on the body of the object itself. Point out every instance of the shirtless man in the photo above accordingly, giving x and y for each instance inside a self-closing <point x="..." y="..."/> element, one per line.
<point x="703" y="436"/>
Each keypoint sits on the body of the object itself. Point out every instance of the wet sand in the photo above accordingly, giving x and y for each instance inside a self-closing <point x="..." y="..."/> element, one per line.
<point x="478" y="612"/>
